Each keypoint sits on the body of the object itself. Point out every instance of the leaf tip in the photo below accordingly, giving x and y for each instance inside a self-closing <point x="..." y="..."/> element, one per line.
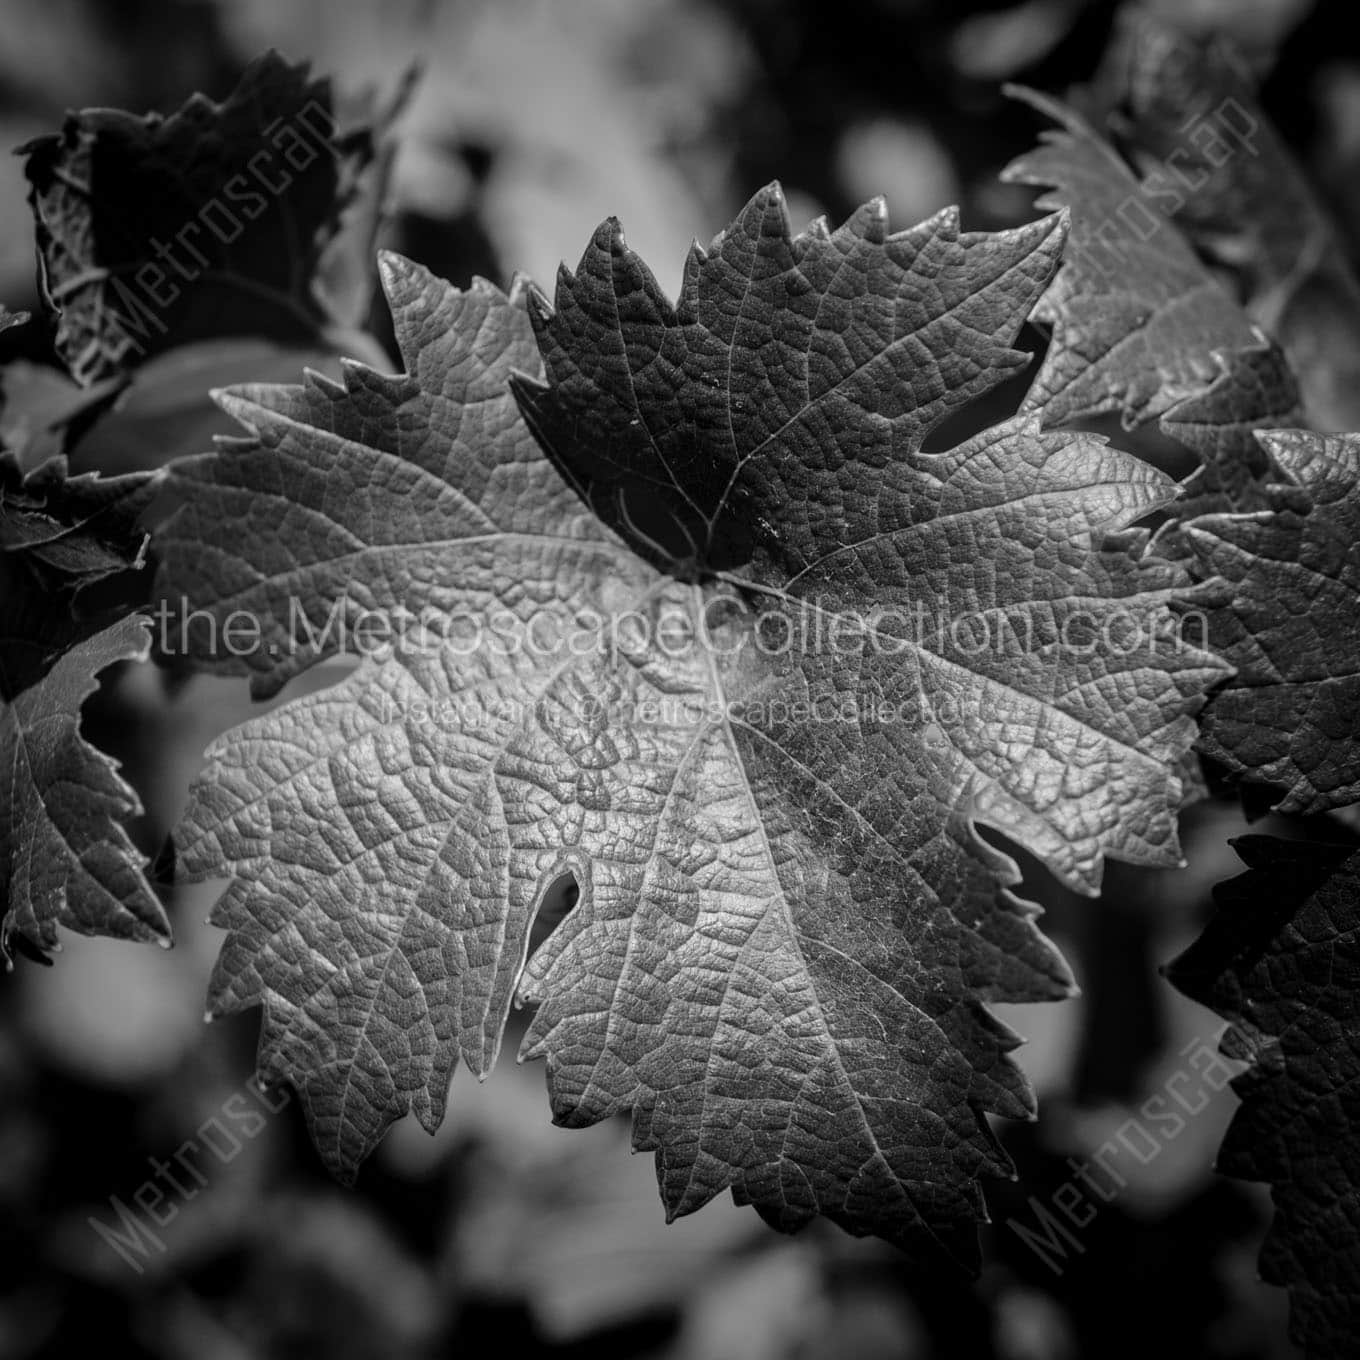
<point x="521" y="288"/>
<point x="540" y="305"/>
<point x="869" y="222"/>
<point x="770" y="195"/>
<point x="1043" y="103"/>
<point x="609" y="239"/>
<point x="765" y="209"/>
<point x="1025" y="94"/>
<point x="396" y="273"/>
<point x="235" y="403"/>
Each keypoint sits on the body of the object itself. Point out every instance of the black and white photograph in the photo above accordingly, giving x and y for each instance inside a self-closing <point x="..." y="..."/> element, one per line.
<point x="680" y="680"/>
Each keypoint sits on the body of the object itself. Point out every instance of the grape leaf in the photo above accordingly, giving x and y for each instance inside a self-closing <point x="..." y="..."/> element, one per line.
<point x="1281" y="962"/>
<point x="65" y="857"/>
<point x="1255" y="390"/>
<point x="71" y="549"/>
<point x="1141" y="328"/>
<point x="219" y="220"/>
<point x="1193" y="118"/>
<point x="786" y="927"/>
<point x="73" y="530"/>
<point x="1137" y="321"/>
<point x="1286" y="618"/>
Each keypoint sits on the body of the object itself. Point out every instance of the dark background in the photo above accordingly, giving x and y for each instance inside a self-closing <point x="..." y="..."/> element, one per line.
<point x="532" y="122"/>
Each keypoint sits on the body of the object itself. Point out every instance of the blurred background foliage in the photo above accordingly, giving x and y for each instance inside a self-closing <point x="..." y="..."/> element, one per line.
<point x="533" y="120"/>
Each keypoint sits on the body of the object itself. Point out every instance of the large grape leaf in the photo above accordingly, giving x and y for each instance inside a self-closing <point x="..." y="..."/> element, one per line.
<point x="1281" y="962"/>
<point x="787" y="926"/>
<point x="1138" y="323"/>
<point x="220" y="220"/>
<point x="1288" y="617"/>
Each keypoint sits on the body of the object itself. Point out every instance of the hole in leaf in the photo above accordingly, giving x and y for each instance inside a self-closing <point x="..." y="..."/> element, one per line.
<point x="557" y="902"/>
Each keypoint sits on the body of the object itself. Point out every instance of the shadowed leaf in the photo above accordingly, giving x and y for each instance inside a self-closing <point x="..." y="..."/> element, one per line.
<point x="1281" y="962"/>
<point x="220" y="220"/>
<point x="1286" y="617"/>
